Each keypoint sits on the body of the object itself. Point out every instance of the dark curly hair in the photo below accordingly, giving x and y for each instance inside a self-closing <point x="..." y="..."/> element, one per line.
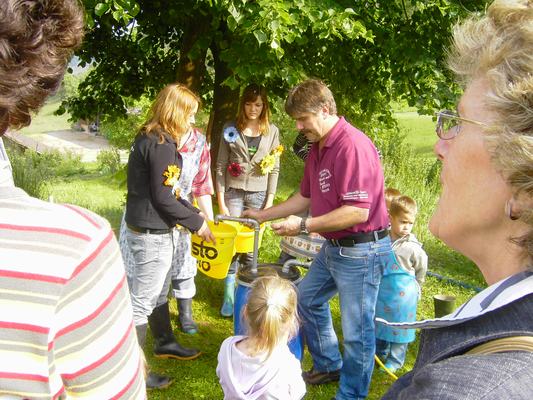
<point x="37" y="39"/>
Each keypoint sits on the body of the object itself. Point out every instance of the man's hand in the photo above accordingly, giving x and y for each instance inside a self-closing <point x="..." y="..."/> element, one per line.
<point x="205" y="233"/>
<point x="253" y="213"/>
<point x="288" y="227"/>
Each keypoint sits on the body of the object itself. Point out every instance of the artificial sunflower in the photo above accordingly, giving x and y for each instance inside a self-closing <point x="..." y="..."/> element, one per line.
<point x="172" y="174"/>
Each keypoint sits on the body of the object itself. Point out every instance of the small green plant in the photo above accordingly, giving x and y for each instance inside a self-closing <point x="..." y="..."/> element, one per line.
<point x="33" y="171"/>
<point x="108" y="161"/>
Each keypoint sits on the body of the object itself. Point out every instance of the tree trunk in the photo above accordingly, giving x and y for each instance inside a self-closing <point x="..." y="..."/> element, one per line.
<point x="191" y="67"/>
<point x="225" y="103"/>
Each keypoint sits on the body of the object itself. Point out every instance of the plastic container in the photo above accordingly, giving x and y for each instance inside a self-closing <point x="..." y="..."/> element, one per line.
<point x="244" y="242"/>
<point x="214" y="260"/>
<point x="245" y="278"/>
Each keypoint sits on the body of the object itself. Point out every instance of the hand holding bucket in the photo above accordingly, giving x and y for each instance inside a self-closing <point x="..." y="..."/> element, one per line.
<point x="214" y="259"/>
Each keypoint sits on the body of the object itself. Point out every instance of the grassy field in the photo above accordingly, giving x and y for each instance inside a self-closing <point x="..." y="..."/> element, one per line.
<point x="104" y="194"/>
<point x="46" y="121"/>
<point x="419" y="131"/>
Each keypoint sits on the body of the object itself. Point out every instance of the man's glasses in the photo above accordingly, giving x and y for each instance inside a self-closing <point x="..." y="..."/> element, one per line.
<point x="449" y="124"/>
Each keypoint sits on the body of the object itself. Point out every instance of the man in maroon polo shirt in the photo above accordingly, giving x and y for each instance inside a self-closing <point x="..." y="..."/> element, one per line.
<point x="343" y="185"/>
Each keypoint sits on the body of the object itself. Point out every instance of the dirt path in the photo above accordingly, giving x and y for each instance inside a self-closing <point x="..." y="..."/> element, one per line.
<point x="86" y="145"/>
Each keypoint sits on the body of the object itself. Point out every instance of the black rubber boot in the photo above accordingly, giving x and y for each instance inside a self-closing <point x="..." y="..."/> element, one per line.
<point x="165" y="345"/>
<point x="187" y="324"/>
<point x="153" y="381"/>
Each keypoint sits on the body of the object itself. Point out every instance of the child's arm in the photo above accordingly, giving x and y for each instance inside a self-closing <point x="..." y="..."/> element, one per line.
<point x="221" y="166"/>
<point x="205" y="204"/>
<point x="274" y="174"/>
<point x="420" y="265"/>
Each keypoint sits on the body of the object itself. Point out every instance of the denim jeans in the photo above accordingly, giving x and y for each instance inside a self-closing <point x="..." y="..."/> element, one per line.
<point x="149" y="280"/>
<point x="354" y="273"/>
<point x="237" y="200"/>
<point x="392" y="354"/>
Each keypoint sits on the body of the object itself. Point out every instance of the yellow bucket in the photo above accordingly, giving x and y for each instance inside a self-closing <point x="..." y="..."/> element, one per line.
<point x="244" y="242"/>
<point x="214" y="260"/>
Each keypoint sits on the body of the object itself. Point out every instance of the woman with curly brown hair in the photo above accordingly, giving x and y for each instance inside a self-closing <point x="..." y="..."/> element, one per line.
<point x="485" y="212"/>
<point x="66" y="319"/>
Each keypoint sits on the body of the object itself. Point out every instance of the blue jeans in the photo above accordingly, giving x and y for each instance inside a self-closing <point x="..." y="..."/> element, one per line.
<point x="237" y="200"/>
<point x="149" y="280"/>
<point x="392" y="354"/>
<point x="354" y="273"/>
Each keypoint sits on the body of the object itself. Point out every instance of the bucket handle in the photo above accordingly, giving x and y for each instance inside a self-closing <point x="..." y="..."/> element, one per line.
<point x="245" y="221"/>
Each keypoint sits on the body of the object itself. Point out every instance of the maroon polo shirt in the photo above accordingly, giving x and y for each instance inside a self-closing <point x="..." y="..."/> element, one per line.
<point x="346" y="171"/>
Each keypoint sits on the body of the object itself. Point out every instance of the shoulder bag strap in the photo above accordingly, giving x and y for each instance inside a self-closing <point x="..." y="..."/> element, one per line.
<point x="512" y="343"/>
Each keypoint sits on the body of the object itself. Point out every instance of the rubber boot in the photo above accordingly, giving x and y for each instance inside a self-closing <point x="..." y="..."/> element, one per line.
<point x="165" y="345"/>
<point x="229" y="296"/>
<point x="187" y="324"/>
<point x="153" y="381"/>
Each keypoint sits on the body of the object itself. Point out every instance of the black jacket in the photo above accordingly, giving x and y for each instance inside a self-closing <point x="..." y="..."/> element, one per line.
<point x="150" y="203"/>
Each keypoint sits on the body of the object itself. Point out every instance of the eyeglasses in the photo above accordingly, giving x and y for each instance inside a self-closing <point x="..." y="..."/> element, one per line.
<point x="449" y="124"/>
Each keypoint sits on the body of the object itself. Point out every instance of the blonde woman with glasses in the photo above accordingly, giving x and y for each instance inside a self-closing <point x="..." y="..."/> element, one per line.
<point x="485" y="213"/>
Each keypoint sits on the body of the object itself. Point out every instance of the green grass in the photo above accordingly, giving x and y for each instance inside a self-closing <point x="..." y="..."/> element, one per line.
<point x="419" y="131"/>
<point x="46" y="121"/>
<point x="408" y="167"/>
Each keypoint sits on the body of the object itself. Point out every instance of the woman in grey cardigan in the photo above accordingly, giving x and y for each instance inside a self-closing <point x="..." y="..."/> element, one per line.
<point x="247" y="168"/>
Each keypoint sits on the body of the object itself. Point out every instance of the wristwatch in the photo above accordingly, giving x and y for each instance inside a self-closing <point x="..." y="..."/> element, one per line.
<point x="303" y="227"/>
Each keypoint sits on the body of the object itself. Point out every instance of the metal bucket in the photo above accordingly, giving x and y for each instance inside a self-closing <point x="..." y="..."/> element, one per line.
<point x="245" y="278"/>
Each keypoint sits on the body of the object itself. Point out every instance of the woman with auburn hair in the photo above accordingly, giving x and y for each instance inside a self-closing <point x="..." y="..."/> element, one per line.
<point x="194" y="184"/>
<point x="485" y="212"/>
<point x="247" y="169"/>
<point x="154" y="207"/>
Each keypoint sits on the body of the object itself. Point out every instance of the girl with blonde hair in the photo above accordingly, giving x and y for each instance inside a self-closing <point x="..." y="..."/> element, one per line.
<point x="260" y="365"/>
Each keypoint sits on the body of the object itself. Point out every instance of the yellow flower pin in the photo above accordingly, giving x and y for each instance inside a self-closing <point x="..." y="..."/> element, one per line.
<point x="269" y="161"/>
<point x="172" y="174"/>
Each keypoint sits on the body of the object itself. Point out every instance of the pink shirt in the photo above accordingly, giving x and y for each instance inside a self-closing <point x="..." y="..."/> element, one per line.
<point x="347" y="171"/>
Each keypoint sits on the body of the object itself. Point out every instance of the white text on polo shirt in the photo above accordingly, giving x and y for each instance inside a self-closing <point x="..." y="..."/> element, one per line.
<point x="356" y="195"/>
<point x="323" y="180"/>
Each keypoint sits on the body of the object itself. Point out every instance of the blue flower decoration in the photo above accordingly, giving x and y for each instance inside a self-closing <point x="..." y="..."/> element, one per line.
<point x="231" y="134"/>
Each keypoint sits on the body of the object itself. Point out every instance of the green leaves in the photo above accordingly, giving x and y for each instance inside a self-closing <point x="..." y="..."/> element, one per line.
<point x="369" y="52"/>
<point x="122" y="11"/>
<point x="101" y="9"/>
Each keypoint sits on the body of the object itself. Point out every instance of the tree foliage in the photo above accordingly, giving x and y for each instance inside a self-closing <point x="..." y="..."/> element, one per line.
<point x="369" y="52"/>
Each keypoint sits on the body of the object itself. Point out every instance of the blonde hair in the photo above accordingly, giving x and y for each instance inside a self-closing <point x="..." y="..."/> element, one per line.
<point x="250" y="94"/>
<point x="390" y="195"/>
<point x="270" y="312"/>
<point x="170" y="112"/>
<point x="309" y="97"/>
<point x="498" y="47"/>
<point x="403" y="205"/>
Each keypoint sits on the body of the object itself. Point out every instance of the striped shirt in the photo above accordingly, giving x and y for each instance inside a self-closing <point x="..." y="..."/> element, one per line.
<point x="66" y="329"/>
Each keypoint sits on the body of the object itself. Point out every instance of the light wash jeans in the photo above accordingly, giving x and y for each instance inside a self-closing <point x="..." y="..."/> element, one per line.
<point x="392" y="354"/>
<point x="237" y="200"/>
<point x="149" y="280"/>
<point x="354" y="273"/>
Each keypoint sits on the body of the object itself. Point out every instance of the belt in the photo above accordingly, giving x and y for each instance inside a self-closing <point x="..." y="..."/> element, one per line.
<point x="357" y="238"/>
<point x="149" y="231"/>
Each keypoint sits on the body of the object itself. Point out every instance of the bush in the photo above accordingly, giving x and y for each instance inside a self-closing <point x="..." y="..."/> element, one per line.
<point x="121" y="131"/>
<point x="108" y="161"/>
<point x="33" y="171"/>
